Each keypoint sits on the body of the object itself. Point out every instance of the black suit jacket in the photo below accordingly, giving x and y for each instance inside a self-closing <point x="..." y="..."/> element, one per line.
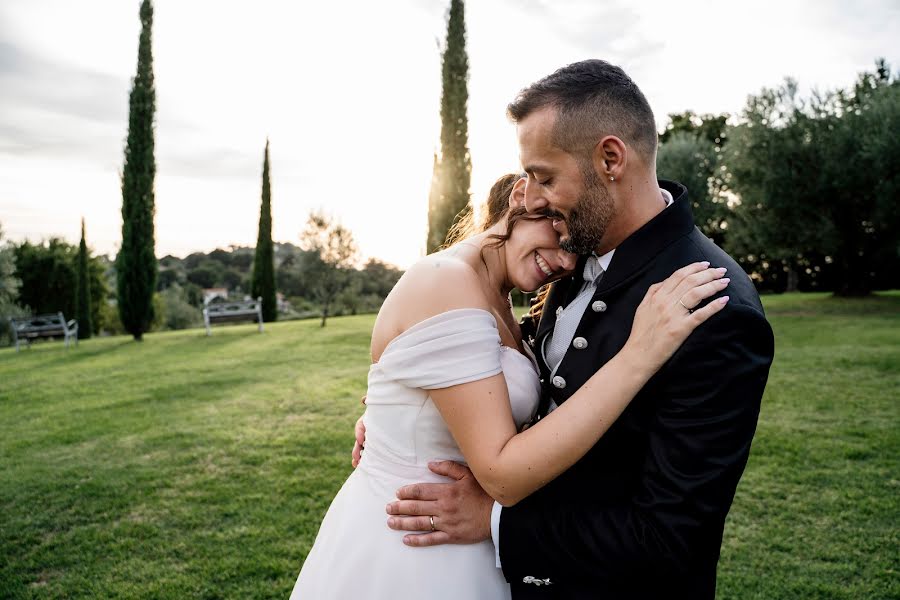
<point x="642" y="514"/>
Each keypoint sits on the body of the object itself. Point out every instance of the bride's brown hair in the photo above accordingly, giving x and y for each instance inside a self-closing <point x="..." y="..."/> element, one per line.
<point x="496" y="207"/>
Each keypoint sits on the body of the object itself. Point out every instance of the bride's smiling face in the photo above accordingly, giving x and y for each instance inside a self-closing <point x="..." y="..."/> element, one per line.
<point x="533" y="255"/>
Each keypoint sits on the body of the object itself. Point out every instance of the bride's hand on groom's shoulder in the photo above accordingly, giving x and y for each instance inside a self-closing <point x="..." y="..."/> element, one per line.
<point x="461" y="510"/>
<point x="671" y="310"/>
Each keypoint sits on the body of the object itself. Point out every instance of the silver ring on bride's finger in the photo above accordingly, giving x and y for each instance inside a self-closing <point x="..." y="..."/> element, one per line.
<point x="690" y="310"/>
<point x="431" y="518"/>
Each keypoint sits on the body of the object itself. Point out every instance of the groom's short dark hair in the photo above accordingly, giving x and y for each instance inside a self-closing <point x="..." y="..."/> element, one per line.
<point x="593" y="99"/>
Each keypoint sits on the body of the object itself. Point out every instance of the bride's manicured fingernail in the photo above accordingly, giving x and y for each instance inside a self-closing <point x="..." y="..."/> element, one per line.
<point x="722" y="270"/>
<point x="723" y="300"/>
<point x="705" y="263"/>
<point x="724" y="280"/>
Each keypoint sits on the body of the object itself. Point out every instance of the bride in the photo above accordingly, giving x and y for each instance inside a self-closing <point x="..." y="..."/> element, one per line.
<point x="451" y="379"/>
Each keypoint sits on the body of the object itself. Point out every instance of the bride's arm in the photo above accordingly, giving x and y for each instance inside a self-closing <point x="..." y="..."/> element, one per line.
<point x="509" y="465"/>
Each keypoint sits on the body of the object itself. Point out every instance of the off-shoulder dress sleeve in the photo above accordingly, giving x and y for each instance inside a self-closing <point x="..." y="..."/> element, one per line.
<point x="455" y="347"/>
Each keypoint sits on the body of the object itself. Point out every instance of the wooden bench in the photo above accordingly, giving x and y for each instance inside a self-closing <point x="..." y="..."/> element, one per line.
<point x="230" y="312"/>
<point x="30" y="328"/>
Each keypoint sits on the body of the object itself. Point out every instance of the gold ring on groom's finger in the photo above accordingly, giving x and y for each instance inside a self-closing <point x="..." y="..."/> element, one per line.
<point x="433" y="528"/>
<point x="690" y="310"/>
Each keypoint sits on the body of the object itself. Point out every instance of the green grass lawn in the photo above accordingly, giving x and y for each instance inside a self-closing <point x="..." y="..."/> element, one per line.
<point x="195" y="467"/>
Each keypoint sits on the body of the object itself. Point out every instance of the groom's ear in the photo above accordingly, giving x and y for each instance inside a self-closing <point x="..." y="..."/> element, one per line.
<point x="517" y="195"/>
<point x="610" y="157"/>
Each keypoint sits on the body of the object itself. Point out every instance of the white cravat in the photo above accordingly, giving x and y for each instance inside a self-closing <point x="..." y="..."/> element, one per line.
<point x="568" y="318"/>
<point x="562" y="335"/>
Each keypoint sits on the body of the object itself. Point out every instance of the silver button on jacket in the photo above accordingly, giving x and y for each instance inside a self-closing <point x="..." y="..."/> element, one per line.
<point x="598" y="306"/>
<point x="580" y="343"/>
<point x="559" y="382"/>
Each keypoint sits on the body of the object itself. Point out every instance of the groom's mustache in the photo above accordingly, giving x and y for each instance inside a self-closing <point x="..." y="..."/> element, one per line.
<point x="553" y="214"/>
<point x="556" y="217"/>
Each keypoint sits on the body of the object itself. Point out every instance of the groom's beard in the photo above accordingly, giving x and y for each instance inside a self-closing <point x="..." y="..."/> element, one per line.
<point x="589" y="219"/>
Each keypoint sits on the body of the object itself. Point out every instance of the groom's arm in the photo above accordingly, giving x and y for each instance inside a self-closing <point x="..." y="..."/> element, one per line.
<point x="708" y="398"/>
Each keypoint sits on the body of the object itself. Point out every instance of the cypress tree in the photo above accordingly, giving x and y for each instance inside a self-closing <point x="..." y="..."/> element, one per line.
<point x="435" y="215"/>
<point x="455" y="165"/>
<point x="136" y="263"/>
<point x="83" y="294"/>
<point x="263" y="279"/>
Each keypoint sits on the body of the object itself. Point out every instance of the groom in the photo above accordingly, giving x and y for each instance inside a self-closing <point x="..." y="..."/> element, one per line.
<point x="642" y="514"/>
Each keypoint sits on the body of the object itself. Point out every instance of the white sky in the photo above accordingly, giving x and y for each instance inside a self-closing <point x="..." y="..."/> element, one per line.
<point x="348" y="92"/>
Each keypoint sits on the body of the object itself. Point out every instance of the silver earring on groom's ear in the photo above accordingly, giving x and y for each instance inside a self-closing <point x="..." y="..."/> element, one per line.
<point x="611" y="178"/>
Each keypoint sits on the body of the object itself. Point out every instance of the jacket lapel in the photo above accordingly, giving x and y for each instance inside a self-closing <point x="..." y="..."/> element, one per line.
<point x="633" y="254"/>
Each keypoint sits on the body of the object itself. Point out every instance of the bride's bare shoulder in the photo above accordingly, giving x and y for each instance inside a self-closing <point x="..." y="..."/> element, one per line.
<point x="440" y="282"/>
<point x="435" y="284"/>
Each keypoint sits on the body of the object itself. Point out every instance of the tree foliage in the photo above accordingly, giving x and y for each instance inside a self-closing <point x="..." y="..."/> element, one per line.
<point x="136" y="262"/>
<point x="262" y="283"/>
<point x="296" y="273"/>
<point x="818" y="181"/>
<point x="9" y="283"/>
<point x="177" y="312"/>
<point x="435" y="211"/>
<point x="9" y="288"/>
<point x="48" y="275"/>
<point x="710" y="127"/>
<point x="83" y="291"/>
<point x="49" y="280"/>
<point x="333" y="259"/>
<point x="379" y="278"/>
<point x="693" y="161"/>
<point x="452" y="169"/>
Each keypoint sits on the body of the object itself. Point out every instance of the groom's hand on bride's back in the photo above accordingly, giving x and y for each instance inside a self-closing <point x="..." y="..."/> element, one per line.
<point x="461" y="509"/>
<point x="360" y="443"/>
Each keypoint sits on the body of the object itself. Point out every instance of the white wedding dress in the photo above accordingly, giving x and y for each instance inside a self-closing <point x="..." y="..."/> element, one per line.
<point x="355" y="555"/>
